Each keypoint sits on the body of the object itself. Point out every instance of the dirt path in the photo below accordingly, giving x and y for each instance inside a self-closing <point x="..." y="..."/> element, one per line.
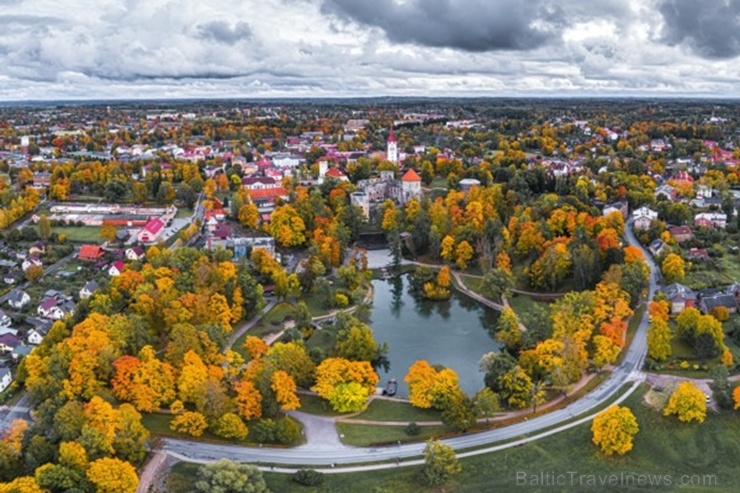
<point x="152" y="472"/>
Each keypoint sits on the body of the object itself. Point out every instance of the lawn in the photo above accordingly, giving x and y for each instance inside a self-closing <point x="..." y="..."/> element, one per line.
<point x="82" y="234"/>
<point x="663" y="446"/>
<point x="183" y="212"/>
<point x="522" y="303"/>
<point x="313" y="404"/>
<point x="383" y="410"/>
<point x="374" y="435"/>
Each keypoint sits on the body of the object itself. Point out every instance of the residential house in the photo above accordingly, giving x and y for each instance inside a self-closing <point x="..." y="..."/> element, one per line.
<point x="711" y="220"/>
<point x="18" y="299"/>
<point x="38" y="248"/>
<point x="55" y="305"/>
<point x="704" y="191"/>
<point x="680" y="297"/>
<point x="90" y="253"/>
<point x="666" y="191"/>
<point x="8" y="342"/>
<point x="116" y="268"/>
<point x="642" y="218"/>
<point x="5" y="320"/>
<point x="37" y="334"/>
<point x="20" y="352"/>
<point x="6" y="378"/>
<point x="135" y="253"/>
<point x="620" y="207"/>
<point x="31" y="261"/>
<point x="656" y="247"/>
<point x="708" y="303"/>
<point x="151" y="231"/>
<point x="680" y="233"/>
<point x="259" y="182"/>
<point x="88" y="289"/>
<point x="123" y="235"/>
<point x="265" y="199"/>
<point x="13" y="277"/>
<point x="698" y="254"/>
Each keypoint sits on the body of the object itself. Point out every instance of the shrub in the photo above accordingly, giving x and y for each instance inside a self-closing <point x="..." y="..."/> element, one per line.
<point x="412" y="429"/>
<point x="264" y="431"/>
<point x="308" y="477"/>
<point x="287" y="431"/>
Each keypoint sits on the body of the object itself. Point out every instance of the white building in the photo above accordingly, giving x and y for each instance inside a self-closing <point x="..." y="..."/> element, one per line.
<point x="643" y="217"/>
<point x="392" y="148"/>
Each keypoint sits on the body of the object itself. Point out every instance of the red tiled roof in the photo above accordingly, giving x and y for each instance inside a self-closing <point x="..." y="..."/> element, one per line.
<point x="90" y="252"/>
<point x="268" y="193"/>
<point x="335" y="173"/>
<point x="411" y="175"/>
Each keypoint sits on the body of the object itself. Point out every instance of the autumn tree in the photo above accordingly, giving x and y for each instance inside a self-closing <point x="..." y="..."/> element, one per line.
<point x="463" y="254"/>
<point x="287" y="227"/>
<point x="44" y="225"/>
<point x="345" y="384"/>
<point x="673" y="268"/>
<point x="190" y="423"/>
<point x="659" y="339"/>
<point x="231" y="427"/>
<point x="107" y="232"/>
<point x="517" y="388"/>
<point x="34" y="272"/>
<point x="736" y="397"/>
<point x="285" y="391"/>
<point x="248" y="400"/>
<point x="440" y="463"/>
<point x="687" y="402"/>
<point x="429" y="386"/>
<point x="111" y="475"/>
<point x="613" y="430"/>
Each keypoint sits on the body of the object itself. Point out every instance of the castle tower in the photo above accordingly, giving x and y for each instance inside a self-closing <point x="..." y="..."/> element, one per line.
<point x="392" y="148"/>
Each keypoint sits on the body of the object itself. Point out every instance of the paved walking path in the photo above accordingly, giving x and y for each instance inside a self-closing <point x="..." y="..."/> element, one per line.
<point x="320" y="431"/>
<point x="235" y="335"/>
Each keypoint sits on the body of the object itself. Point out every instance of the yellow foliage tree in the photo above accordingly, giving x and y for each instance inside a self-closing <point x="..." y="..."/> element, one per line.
<point x="248" y="400"/>
<point x="189" y="422"/>
<point x="25" y="484"/>
<point x="687" y="402"/>
<point x="285" y="390"/>
<point x="613" y="430"/>
<point x="113" y="476"/>
<point x="427" y="386"/>
<point x="463" y="254"/>
<point x="673" y="268"/>
<point x="333" y="379"/>
<point x="659" y="339"/>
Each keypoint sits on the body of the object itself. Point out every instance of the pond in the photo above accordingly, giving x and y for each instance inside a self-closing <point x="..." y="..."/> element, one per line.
<point x="453" y="333"/>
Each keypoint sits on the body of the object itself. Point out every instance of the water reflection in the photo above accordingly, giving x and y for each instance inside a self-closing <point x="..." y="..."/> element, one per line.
<point x="453" y="333"/>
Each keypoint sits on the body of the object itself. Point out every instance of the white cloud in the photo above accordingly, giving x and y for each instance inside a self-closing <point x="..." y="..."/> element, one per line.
<point x="253" y="48"/>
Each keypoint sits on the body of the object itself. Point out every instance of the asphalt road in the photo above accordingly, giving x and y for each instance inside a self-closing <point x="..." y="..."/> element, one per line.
<point x="320" y="455"/>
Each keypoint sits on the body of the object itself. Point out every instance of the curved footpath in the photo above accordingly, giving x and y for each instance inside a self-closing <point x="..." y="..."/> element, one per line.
<point x="332" y="455"/>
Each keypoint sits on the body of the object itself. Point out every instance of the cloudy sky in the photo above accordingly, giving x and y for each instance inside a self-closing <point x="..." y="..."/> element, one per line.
<point x="52" y="49"/>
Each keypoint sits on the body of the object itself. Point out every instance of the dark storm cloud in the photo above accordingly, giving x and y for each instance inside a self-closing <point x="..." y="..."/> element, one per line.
<point x="223" y="32"/>
<point x="711" y="28"/>
<point x="469" y="25"/>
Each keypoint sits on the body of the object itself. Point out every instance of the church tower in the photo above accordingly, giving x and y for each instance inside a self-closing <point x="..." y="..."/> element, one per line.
<point x="392" y="148"/>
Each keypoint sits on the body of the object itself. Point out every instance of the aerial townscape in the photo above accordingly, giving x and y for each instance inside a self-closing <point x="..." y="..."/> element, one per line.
<point x="390" y="246"/>
<point x="278" y="291"/>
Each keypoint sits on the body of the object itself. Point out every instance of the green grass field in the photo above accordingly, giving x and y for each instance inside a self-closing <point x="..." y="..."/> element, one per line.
<point x="662" y="447"/>
<point x="374" y="435"/>
<point x="83" y="234"/>
<point x="382" y="410"/>
<point x="313" y="404"/>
